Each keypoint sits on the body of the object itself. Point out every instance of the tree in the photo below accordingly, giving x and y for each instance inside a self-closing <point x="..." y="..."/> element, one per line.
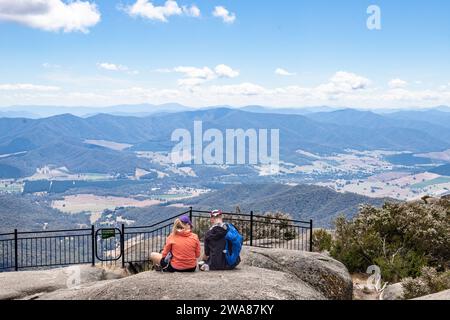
<point x="401" y="238"/>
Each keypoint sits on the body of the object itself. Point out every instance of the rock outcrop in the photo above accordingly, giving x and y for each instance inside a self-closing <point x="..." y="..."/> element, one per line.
<point x="17" y="285"/>
<point x="443" y="295"/>
<point x="263" y="274"/>
<point x="393" y="292"/>
<point x="327" y="275"/>
<point x="245" y="283"/>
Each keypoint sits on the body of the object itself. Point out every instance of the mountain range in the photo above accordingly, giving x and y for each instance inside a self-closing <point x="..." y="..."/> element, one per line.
<point x="26" y="144"/>
<point x="138" y="110"/>
<point x="145" y="109"/>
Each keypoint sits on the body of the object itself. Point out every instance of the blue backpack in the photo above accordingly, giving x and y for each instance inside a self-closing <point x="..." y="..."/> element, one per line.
<point x="234" y="238"/>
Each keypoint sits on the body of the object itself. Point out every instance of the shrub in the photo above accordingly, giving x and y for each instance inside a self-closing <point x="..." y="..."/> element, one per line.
<point x="430" y="281"/>
<point x="273" y="226"/>
<point x="401" y="238"/>
<point x="322" y="240"/>
<point x="201" y="226"/>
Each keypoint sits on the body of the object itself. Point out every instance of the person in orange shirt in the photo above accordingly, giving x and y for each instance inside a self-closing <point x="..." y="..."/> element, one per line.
<point x="181" y="251"/>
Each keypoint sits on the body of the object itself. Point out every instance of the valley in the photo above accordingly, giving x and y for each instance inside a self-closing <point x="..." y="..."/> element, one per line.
<point x="96" y="205"/>
<point x="109" y="168"/>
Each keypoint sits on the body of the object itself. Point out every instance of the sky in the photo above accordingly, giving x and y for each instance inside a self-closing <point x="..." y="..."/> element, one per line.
<point x="284" y="53"/>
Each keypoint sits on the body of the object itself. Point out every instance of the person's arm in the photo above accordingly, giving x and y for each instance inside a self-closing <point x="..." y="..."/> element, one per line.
<point x="206" y="253"/>
<point x="167" y="247"/>
<point x="197" y="249"/>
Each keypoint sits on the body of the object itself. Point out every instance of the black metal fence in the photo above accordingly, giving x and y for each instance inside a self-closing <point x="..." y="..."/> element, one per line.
<point x="133" y="244"/>
<point x="139" y="242"/>
<point x="40" y="249"/>
<point x="261" y="231"/>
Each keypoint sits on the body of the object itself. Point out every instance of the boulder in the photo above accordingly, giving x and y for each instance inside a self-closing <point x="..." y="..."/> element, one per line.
<point x="443" y="295"/>
<point x="393" y="292"/>
<point x="241" y="284"/>
<point x="325" y="274"/>
<point x="16" y="285"/>
<point x="263" y="274"/>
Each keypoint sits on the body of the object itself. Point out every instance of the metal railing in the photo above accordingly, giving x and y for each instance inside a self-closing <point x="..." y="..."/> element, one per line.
<point x="41" y="249"/>
<point x="133" y="244"/>
<point x="261" y="230"/>
<point x="138" y="242"/>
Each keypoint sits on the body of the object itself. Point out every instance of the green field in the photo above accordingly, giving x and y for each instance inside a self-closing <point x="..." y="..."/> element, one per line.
<point x="428" y="183"/>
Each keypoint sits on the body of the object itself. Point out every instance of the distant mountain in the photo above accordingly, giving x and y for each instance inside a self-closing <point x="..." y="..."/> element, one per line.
<point x="443" y="170"/>
<point x="432" y="125"/>
<point x="303" y="202"/>
<point x="349" y="117"/>
<point x="442" y="108"/>
<point x="434" y="116"/>
<point x="145" y="110"/>
<point x="60" y="140"/>
<point x="301" y="111"/>
<point x="138" y="110"/>
<point x="18" y="114"/>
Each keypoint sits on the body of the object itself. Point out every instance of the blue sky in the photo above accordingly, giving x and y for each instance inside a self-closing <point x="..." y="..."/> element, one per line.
<point x="206" y="52"/>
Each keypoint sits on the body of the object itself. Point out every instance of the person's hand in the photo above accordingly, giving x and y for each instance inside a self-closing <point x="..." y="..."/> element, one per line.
<point x="204" y="267"/>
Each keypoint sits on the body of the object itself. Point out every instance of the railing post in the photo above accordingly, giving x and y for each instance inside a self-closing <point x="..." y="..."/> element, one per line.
<point x="251" y="228"/>
<point x="93" y="244"/>
<point x="190" y="213"/>
<point x="122" y="245"/>
<point x="16" y="251"/>
<point x="310" y="235"/>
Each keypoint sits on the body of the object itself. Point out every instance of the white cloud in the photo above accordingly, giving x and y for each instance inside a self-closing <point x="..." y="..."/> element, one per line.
<point x="225" y="71"/>
<point x="162" y="70"/>
<point x="224" y="14"/>
<point x="283" y="72"/>
<point x="116" y="67"/>
<point x="196" y="76"/>
<point x="196" y="88"/>
<point x="133" y="72"/>
<point x="193" y="72"/>
<point x="190" y="82"/>
<point x="146" y="9"/>
<point x="192" y="11"/>
<point x="341" y="82"/>
<point x="111" y="66"/>
<point x="27" y="87"/>
<point x="349" y="81"/>
<point x="245" y="89"/>
<point x="48" y="65"/>
<point x="400" y="94"/>
<point x="51" y="15"/>
<point x="397" y="83"/>
<point x="148" y="93"/>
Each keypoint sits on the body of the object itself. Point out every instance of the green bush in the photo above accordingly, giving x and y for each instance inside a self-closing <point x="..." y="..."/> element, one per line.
<point x="273" y="226"/>
<point x="430" y="281"/>
<point x="401" y="238"/>
<point x="201" y="226"/>
<point x="322" y="240"/>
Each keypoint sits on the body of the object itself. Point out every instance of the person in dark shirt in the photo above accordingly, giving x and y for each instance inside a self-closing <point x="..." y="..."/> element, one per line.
<point x="214" y="257"/>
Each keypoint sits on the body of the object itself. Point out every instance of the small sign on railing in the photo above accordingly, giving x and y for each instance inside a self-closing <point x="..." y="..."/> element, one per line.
<point x="108" y="233"/>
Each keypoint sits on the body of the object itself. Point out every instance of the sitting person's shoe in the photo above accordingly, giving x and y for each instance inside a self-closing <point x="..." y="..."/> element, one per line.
<point x="155" y="268"/>
<point x="203" y="266"/>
